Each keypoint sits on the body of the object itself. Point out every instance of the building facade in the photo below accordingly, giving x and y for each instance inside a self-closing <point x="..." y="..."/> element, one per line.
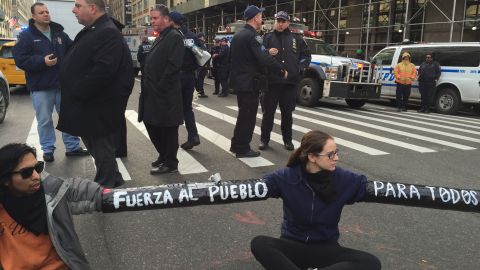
<point x="16" y="14"/>
<point x="134" y="13"/>
<point x="352" y="24"/>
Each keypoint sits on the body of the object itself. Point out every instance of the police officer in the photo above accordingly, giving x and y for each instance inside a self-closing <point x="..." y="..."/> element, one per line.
<point x="215" y="51"/>
<point x="248" y="57"/>
<point x="189" y="66"/>
<point x="201" y="72"/>
<point x="428" y="75"/>
<point x="291" y="50"/>
<point x="142" y="52"/>
<point x="223" y="66"/>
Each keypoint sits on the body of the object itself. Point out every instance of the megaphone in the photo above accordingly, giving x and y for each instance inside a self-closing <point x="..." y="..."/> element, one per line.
<point x="201" y="55"/>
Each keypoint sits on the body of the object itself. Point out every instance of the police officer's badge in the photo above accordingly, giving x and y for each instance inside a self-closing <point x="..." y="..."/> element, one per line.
<point x="294" y="44"/>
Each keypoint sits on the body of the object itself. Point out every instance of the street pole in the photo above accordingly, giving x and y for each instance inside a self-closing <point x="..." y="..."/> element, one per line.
<point x="406" y="20"/>
<point x="314" y="15"/>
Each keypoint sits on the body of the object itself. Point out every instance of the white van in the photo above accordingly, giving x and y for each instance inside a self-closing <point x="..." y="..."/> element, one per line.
<point x="460" y="80"/>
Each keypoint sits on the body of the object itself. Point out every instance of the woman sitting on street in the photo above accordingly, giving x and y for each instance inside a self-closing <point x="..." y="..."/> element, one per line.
<point x="314" y="192"/>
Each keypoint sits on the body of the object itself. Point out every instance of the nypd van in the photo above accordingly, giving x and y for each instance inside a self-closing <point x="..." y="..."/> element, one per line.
<point x="459" y="83"/>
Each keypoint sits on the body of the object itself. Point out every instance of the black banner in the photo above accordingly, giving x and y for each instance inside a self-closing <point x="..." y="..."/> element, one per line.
<point x="191" y="194"/>
<point x="181" y="195"/>
<point x="443" y="198"/>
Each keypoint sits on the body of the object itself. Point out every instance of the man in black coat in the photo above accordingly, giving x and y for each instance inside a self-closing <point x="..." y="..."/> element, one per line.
<point x="161" y="99"/>
<point x="291" y="50"/>
<point x="215" y="51"/>
<point x="223" y="59"/>
<point x="428" y="74"/>
<point x="248" y="57"/>
<point x="94" y="78"/>
<point x="187" y="77"/>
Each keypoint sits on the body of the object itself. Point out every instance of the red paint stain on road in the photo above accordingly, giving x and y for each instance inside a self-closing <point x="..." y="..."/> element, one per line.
<point x="248" y="217"/>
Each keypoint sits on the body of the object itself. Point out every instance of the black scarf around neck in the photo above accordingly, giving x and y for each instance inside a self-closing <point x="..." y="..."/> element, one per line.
<point x="29" y="211"/>
<point x="323" y="185"/>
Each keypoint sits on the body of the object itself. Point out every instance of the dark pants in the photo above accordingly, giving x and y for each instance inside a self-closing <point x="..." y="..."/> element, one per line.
<point x="216" y="79"/>
<point x="427" y="89"/>
<point x="403" y="93"/>
<point x="223" y="78"/>
<point x="283" y="254"/>
<point x="283" y="95"/>
<point x="200" y="78"/>
<point x="188" y="85"/>
<point x="102" y="149"/>
<point x="246" y="119"/>
<point x="121" y="138"/>
<point x="165" y="140"/>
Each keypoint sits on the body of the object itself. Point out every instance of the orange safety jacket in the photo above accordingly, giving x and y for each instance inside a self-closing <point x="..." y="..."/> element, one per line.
<point x="405" y="73"/>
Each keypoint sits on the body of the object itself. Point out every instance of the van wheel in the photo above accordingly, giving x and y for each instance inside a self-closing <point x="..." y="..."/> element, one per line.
<point x="447" y="101"/>
<point x="3" y="103"/>
<point x="308" y="92"/>
<point x="356" y="103"/>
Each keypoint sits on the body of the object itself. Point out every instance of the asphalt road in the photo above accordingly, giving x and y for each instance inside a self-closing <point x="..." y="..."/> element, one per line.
<point x="375" y="141"/>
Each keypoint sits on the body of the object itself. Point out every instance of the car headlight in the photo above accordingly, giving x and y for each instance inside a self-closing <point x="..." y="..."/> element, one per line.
<point x="332" y="73"/>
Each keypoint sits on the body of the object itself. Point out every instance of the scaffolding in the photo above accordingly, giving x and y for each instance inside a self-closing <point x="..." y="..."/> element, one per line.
<point x="360" y="24"/>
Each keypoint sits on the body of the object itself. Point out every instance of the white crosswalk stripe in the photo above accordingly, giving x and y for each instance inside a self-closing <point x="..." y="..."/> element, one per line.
<point x="224" y="143"/>
<point x="232" y="120"/>
<point x="34" y="140"/>
<point x="339" y="141"/>
<point x="408" y="134"/>
<point x="187" y="164"/>
<point x="398" y="143"/>
<point x="425" y="117"/>
<point x="394" y="131"/>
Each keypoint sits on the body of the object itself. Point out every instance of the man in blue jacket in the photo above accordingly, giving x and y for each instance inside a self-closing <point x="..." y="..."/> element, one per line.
<point x="39" y="52"/>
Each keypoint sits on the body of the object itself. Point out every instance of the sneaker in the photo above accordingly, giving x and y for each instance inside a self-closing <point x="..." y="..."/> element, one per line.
<point x="222" y="95"/>
<point x="263" y="146"/>
<point x="162" y="169"/>
<point x="289" y="146"/>
<point x="248" y="154"/>
<point x="190" y="144"/>
<point x="421" y="110"/>
<point x="202" y="95"/>
<point x="77" y="152"/>
<point x="215" y="93"/>
<point x="157" y="162"/>
<point x="48" y="157"/>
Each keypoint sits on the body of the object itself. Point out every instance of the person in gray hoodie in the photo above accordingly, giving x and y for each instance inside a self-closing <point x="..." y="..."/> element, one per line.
<point x="36" y="225"/>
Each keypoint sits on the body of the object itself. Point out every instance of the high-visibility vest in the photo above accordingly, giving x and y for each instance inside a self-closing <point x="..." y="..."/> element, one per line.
<point x="405" y="73"/>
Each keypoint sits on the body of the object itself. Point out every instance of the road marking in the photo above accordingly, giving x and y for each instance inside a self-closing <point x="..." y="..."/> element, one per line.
<point x="339" y="141"/>
<point x="224" y="143"/>
<point x="391" y="130"/>
<point x="34" y="140"/>
<point x="232" y="120"/>
<point x="407" y="116"/>
<point x="187" y="164"/>
<point x="438" y="116"/>
<point x="408" y="134"/>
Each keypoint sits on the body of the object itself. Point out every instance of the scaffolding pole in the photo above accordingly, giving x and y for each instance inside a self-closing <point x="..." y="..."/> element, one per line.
<point x="338" y="21"/>
<point x="368" y="29"/>
<point x="453" y="19"/>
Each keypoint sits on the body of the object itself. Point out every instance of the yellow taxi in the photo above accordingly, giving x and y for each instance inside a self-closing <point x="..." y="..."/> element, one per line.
<point x="15" y="75"/>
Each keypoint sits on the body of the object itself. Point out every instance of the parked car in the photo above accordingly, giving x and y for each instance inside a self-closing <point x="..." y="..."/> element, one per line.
<point x="4" y="96"/>
<point x="15" y="75"/>
<point x="459" y="83"/>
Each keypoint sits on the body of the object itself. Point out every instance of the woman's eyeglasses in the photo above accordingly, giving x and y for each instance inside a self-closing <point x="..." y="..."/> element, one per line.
<point x="330" y="155"/>
<point x="28" y="171"/>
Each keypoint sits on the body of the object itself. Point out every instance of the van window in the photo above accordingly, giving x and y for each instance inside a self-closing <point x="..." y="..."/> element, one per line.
<point x="446" y="56"/>
<point x="317" y="46"/>
<point x="386" y="56"/>
<point x="417" y="55"/>
<point x="6" y="52"/>
<point x="458" y="56"/>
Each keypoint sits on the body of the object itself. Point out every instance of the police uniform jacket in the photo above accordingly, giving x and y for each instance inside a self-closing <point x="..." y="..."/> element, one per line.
<point x="29" y="53"/>
<point x="161" y="98"/>
<point x="293" y="53"/>
<point x="93" y="78"/>
<point x="248" y="57"/>
<point x="142" y="53"/>
<point x="189" y="61"/>
<point x="224" y="57"/>
<point x="215" y="50"/>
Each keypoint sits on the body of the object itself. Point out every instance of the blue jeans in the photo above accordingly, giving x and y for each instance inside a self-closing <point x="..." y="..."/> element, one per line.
<point x="43" y="103"/>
